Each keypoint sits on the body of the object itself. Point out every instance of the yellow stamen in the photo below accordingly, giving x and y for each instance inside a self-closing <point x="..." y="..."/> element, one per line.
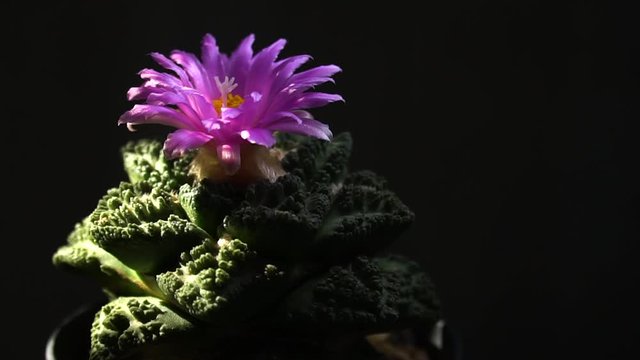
<point x="233" y="101"/>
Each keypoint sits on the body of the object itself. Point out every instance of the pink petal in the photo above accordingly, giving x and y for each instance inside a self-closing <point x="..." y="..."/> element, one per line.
<point x="183" y="140"/>
<point x="240" y="62"/>
<point x="195" y="70"/>
<point x="156" y="78"/>
<point x="278" y="116"/>
<point x="312" y="77"/>
<point x="316" y="99"/>
<point x="262" y="137"/>
<point x="170" y="65"/>
<point x="229" y="157"/>
<point x="155" y="114"/>
<point x="211" y="58"/>
<point x="259" y="77"/>
<point x="199" y="103"/>
<point x="308" y="127"/>
<point x="141" y="93"/>
<point x="166" y="97"/>
<point x="286" y="68"/>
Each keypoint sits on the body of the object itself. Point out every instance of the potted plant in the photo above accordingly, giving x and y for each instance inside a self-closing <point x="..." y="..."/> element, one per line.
<point x="244" y="235"/>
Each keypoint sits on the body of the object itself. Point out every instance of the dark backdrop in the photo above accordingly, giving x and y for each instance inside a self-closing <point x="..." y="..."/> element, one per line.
<point x="509" y="127"/>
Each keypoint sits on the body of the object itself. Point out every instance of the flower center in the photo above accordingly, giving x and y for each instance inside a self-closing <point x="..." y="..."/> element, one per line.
<point x="226" y="99"/>
<point x="232" y="101"/>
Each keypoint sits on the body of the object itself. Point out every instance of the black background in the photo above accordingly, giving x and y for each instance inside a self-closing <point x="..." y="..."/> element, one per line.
<point x="510" y="128"/>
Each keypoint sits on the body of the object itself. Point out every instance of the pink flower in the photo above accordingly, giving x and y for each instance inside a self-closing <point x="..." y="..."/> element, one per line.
<point x="221" y="101"/>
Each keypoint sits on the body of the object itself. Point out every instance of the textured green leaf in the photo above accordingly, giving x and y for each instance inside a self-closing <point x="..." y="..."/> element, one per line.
<point x="144" y="227"/>
<point x="361" y="219"/>
<point x="206" y="204"/>
<point x="144" y="161"/>
<point x="367" y="295"/>
<point x="221" y="281"/>
<point x="279" y="219"/>
<point x="319" y="162"/>
<point x="132" y="325"/>
<point x="83" y="255"/>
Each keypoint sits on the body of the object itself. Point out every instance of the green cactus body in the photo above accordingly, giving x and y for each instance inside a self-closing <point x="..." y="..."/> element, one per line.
<point x="196" y="268"/>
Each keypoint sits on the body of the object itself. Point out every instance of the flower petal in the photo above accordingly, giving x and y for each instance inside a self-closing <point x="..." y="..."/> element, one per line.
<point x="195" y="70"/>
<point x="229" y="157"/>
<point x="155" y="78"/>
<point x="308" y="127"/>
<point x="316" y="99"/>
<point x="142" y="92"/>
<point x="155" y="114"/>
<point x="286" y="98"/>
<point x="183" y="140"/>
<point x="259" y="77"/>
<point x="230" y="113"/>
<point x="286" y="68"/>
<point x="200" y="105"/>
<point x="258" y="136"/>
<point x="278" y="116"/>
<point x="303" y="114"/>
<point x="212" y="60"/>
<point x="240" y="62"/>
<point x="188" y="111"/>
<point x="312" y="77"/>
<point x="166" y="63"/>
<point x="166" y="97"/>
